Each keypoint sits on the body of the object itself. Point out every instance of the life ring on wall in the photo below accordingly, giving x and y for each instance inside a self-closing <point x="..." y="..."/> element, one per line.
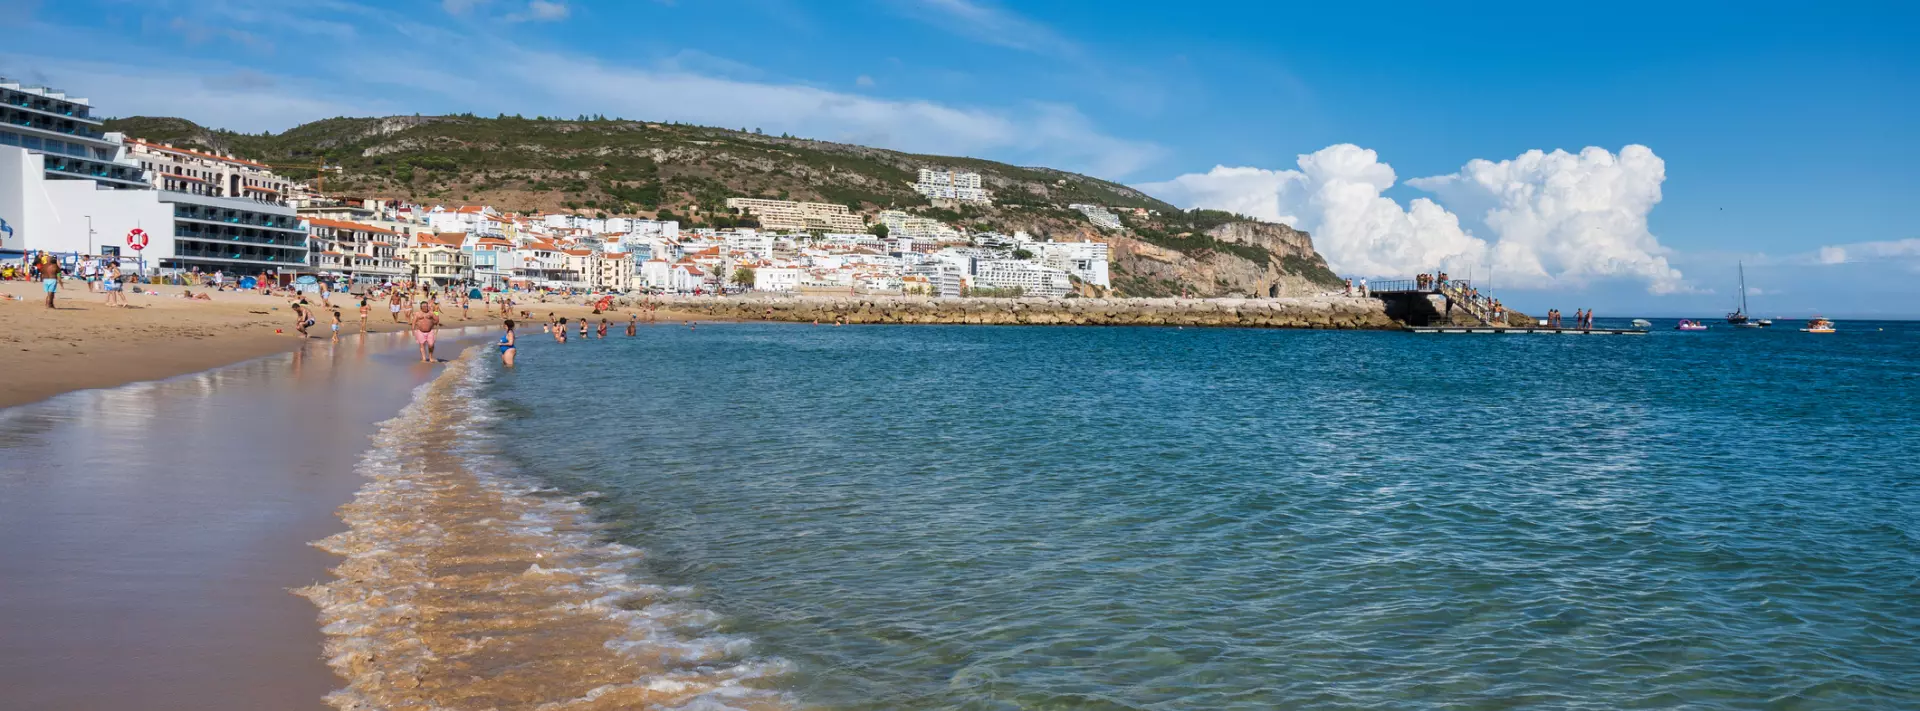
<point x="137" y="239"/>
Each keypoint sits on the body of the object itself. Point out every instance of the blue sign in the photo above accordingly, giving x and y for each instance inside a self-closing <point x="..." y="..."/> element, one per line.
<point x="5" y="228"/>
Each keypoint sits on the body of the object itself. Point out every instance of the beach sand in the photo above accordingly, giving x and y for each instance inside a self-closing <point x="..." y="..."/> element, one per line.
<point x="84" y="344"/>
<point x="151" y="531"/>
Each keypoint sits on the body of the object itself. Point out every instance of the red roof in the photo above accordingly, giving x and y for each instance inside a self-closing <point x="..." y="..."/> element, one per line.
<point x="341" y="225"/>
<point x="196" y="154"/>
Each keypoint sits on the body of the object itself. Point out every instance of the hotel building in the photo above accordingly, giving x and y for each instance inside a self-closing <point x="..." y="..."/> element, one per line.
<point x="949" y="185"/>
<point x="799" y="216"/>
<point x="70" y="189"/>
<point x="194" y="172"/>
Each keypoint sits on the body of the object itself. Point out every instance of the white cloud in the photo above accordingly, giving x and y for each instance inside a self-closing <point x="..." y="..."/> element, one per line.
<point x="986" y="23"/>
<point x="863" y="81"/>
<point x="542" y="11"/>
<point x="424" y="66"/>
<point x="1557" y="218"/>
<point x="1336" y="196"/>
<point x="1901" y="251"/>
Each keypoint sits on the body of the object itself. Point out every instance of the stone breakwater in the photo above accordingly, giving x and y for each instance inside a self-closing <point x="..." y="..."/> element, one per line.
<point x="1329" y="312"/>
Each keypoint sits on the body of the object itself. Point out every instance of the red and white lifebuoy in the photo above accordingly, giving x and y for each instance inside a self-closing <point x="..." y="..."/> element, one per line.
<point x="137" y="239"/>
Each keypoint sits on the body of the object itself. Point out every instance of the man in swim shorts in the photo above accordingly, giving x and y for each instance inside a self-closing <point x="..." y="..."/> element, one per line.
<point x="423" y="324"/>
<point x="49" y="276"/>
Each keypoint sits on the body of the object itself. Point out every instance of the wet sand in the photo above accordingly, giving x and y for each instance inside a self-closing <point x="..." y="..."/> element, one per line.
<point x="150" y="533"/>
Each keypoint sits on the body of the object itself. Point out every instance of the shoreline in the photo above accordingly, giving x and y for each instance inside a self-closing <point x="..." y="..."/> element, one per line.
<point x="84" y="345"/>
<point x="126" y="552"/>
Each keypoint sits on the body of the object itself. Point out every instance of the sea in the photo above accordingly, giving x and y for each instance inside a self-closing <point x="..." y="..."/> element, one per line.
<point x="762" y="516"/>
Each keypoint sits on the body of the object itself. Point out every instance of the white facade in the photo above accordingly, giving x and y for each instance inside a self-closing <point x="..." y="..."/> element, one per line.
<point x="789" y="215"/>
<point x="901" y="224"/>
<point x="200" y="173"/>
<point x="1086" y="261"/>
<point x="949" y="185"/>
<point x="1033" y="279"/>
<point x="41" y="214"/>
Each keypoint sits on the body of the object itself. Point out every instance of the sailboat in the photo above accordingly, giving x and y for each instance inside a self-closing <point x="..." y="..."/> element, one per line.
<point x="1739" y="317"/>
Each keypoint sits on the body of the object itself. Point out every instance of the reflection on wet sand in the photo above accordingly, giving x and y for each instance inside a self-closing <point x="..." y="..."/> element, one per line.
<point x="149" y="532"/>
<point x="463" y="590"/>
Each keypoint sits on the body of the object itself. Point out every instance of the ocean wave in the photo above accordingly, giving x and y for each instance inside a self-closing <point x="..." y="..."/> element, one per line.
<point x="465" y="586"/>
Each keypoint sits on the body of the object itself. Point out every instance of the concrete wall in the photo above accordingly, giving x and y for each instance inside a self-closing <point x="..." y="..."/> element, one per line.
<point x="48" y="214"/>
<point x="1332" y="312"/>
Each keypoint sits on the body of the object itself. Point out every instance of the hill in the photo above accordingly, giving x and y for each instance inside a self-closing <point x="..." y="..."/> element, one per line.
<point x="685" y="172"/>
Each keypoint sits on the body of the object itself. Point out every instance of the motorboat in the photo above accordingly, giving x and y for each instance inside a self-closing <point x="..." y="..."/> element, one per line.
<point x="1818" y="325"/>
<point x="1690" y="325"/>
<point x="1642" y="323"/>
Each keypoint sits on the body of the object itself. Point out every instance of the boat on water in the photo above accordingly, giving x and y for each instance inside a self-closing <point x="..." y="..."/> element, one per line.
<point x="1690" y="325"/>
<point x="1818" y="325"/>
<point x="1739" y="317"/>
<point x="1642" y="323"/>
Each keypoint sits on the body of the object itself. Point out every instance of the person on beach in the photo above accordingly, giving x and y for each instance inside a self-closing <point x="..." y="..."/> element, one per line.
<point x="393" y="304"/>
<point x="301" y="317"/>
<point x="560" y="331"/>
<point x="507" y="345"/>
<point x="116" y="293"/>
<point x="465" y="306"/>
<point x="336" y="323"/>
<point x="603" y="327"/>
<point x="49" y="272"/>
<point x="633" y="325"/>
<point x="424" y="322"/>
<point x="364" y="311"/>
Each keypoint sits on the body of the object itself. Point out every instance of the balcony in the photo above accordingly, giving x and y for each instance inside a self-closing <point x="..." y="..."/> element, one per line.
<point x="48" y="106"/>
<point x="191" y="232"/>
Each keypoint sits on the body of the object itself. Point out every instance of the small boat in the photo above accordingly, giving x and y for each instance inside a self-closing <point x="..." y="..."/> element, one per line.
<point x="1642" y="323"/>
<point x="1688" y="325"/>
<point x="1739" y="318"/>
<point x="1818" y="325"/>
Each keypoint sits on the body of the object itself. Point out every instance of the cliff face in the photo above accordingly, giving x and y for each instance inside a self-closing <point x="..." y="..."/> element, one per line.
<point x="1288" y="267"/>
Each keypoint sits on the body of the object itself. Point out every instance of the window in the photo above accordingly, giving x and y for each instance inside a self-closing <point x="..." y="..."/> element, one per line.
<point x="9" y="139"/>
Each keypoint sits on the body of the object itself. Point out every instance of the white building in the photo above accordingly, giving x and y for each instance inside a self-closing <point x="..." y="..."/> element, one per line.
<point x="210" y="174"/>
<point x="949" y="185"/>
<point x="901" y="224"/>
<point x="67" y="187"/>
<point x="1086" y="261"/>
<point x="1032" y="279"/>
<point x="802" y="216"/>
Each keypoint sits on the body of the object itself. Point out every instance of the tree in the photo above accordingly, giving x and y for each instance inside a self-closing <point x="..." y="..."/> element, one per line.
<point x="743" y="277"/>
<point x="879" y="229"/>
<point x="1022" y="254"/>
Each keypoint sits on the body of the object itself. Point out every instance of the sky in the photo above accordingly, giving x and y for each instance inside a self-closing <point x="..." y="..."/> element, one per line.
<point x="1622" y="156"/>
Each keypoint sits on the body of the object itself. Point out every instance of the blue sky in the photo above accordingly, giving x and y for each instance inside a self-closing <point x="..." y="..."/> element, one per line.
<point x="1782" y="133"/>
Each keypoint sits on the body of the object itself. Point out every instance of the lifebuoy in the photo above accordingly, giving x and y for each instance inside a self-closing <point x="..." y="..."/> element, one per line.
<point x="137" y="239"/>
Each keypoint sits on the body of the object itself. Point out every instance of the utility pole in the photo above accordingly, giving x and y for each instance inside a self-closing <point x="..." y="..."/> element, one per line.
<point x="90" y="234"/>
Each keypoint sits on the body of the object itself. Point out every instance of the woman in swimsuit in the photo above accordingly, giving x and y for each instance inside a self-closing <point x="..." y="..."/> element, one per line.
<point x="603" y="328"/>
<point x="507" y="345"/>
<point x="583" y="329"/>
<point x="560" y="331"/>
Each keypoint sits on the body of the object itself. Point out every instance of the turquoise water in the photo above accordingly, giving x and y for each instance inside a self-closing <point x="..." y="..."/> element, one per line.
<point x="1035" y="518"/>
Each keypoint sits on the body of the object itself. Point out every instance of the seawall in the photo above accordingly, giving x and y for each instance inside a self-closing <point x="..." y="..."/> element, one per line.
<point x="1325" y="312"/>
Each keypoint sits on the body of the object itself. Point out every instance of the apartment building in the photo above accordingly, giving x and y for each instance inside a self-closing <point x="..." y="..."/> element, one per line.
<point x="1086" y="261"/>
<point x="364" y="254"/>
<point x="799" y="216"/>
<point x="207" y="174"/>
<point x="1030" y="278"/>
<point x="440" y="259"/>
<point x="949" y="185"/>
<point x="901" y="224"/>
<point x="62" y="128"/>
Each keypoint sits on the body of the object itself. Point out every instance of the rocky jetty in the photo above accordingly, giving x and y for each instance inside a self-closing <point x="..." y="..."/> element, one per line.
<point x="1324" y="312"/>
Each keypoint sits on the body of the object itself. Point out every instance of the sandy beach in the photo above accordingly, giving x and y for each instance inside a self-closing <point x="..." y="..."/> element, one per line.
<point x="84" y="344"/>
<point x="168" y="468"/>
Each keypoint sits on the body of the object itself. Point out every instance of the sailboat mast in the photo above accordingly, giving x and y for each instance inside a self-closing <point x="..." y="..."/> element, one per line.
<point x="1743" y="287"/>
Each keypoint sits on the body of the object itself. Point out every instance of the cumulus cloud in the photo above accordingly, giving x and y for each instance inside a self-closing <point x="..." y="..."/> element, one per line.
<point x="1554" y="218"/>
<point x="1905" y="251"/>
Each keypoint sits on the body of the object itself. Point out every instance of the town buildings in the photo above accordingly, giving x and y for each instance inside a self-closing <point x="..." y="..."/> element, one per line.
<point x="799" y="216"/>
<point x="361" y="254"/>
<point x="914" y="227"/>
<point x="69" y="189"/>
<point x="207" y="174"/>
<point x="951" y="186"/>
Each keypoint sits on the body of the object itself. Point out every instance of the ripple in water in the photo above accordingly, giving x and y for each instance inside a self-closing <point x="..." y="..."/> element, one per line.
<point x="1014" y="518"/>
<point x="464" y="588"/>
